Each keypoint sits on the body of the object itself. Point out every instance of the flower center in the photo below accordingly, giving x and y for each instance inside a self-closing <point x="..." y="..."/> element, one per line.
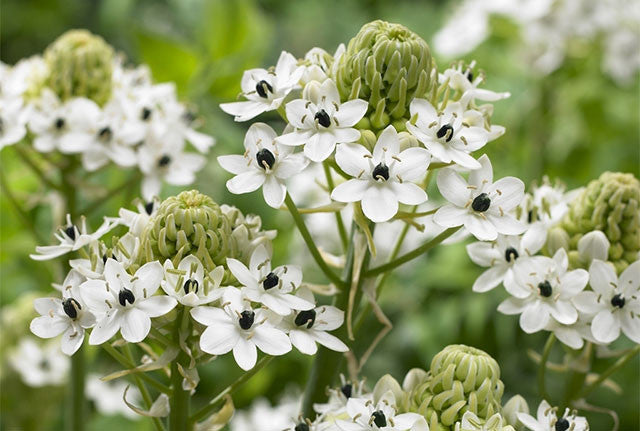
<point x="71" y="232"/>
<point x="149" y="207"/>
<point x="545" y="288"/>
<point x="445" y="131"/>
<point x="146" y="114"/>
<point x="323" y="118"/>
<point x="246" y="319"/>
<point x="164" y="161"/>
<point x="265" y="159"/>
<point x="379" y="418"/>
<point x="262" y="87"/>
<point x="481" y="203"/>
<point x="380" y="172"/>
<point x="59" y="123"/>
<point x="469" y="75"/>
<point x="562" y="425"/>
<point x="302" y="427"/>
<point x="71" y="307"/>
<point x="511" y="253"/>
<point x="125" y="296"/>
<point x="190" y="285"/>
<point x="270" y="281"/>
<point x="306" y="317"/>
<point x="347" y="390"/>
<point x="44" y="364"/>
<point x="618" y="301"/>
<point x="105" y="134"/>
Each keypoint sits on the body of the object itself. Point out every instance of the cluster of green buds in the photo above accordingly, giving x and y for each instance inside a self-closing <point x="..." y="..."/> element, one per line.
<point x="388" y="65"/>
<point x="80" y="64"/>
<point x="609" y="204"/>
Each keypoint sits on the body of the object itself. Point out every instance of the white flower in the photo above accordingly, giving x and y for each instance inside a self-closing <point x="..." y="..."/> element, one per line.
<point x="482" y="206"/>
<point x="188" y="284"/>
<point x="68" y="316"/>
<point x="261" y="415"/>
<point x="365" y="415"/>
<point x="548" y="420"/>
<point x="265" y="164"/>
<point x="239" y="328"/>
<point x="615" y="301"/>
<point x="39" y="365"/>
<point x="381" y="179"/>
<point x="137" y="221"/>
<point x="48" y="122"/>
<point x="545" y="290"/>
<point x="12" y="121"/>
<point x="107" y="396"/>
<point x="593" y="245"/>
<point x="464" y="82"/>
<point x="317" y="68"/>
<point x="445" y="134"/>
<point x="501" y="256"/>
<point x="272" y="288"/>
<point x="265" y="90"/>
<point x="72" y="238"/>
<point x="321" y="121"/>
<point x="125" y="303"/>
<point x="465" y="30"/>
<point x="573" y="335"/>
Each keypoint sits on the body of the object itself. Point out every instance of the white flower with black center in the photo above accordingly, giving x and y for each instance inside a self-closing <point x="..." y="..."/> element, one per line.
<point x="265" y="163"/>
<point x="548" y="420"/>
<point x="39" y="364"/>
<point x="445" y="134"/>
<point x="72" y="238"/>
<point x="545" y="290"/>
<point x="137" y="221"/>
<point x="501" y="256"/>
<point x="615" y="301"/>
<point x="265" y="89"/>
<point x="125" y="303"/>
<point x="188" y="283"/>
<point x="239" y="328"/>
<point x="321" y="121"/>
<point x="482" y="206"/>
<point x="68" y="316"/>
<point x="308" y="327"/>
<point x="464" y="80"/>
<point x="273" y="288"/>
<point x="365" y="415"/>
<point x="336" y="404"/>
<point x="382" y="179"/>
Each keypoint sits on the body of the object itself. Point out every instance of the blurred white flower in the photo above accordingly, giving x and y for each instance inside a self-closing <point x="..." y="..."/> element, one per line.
<point x="261" y="415"/>
<point x="107" y="396"/>
<point x="39" y="364"/>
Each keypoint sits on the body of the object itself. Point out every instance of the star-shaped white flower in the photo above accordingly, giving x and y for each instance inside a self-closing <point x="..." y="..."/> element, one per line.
<point x="365" y="415"/>
<point x="265" y="164"/>
<point x="264" y="89"/>
<point x="239" y="328"/>
<point x="381" y="179"/>
<point x="546" y="290"/>
<point x="462" y="79"/>
<point x="272" y="288"/>
<point x="547" y="420"/>
<point x="445" y="134"/>
<point x="321" y="121"/>
<point x="482" y="206"/>
<point x="188" y="284"/>
<point x="68" y="316"/>
<point x="39" y="364"/>
<point x="615" y="301"/>
<point x="125" y="303"/>
<point x="137" y="221"/>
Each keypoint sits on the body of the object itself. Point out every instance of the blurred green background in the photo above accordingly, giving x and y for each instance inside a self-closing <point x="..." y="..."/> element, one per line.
<point x="571" y="125"/>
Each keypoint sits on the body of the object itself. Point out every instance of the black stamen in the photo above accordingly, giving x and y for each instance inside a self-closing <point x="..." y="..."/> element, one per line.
<point x="44" y="364"/>
<point x="104" y="259"/>
<point x="545" y="289"/>
<point x="71" y="232"/>
<point x="71" y="307"/>
<point x="347" y="390"/>
<point x="270" y="281"/>
<point x="323" y="118"/>
<point x="481" y="203"/>
<point x="146" y="114"/>
<point x="302" y="426"/>
<point x="59" y="123"/>
<point x="124" y="296"/>
<point x="306" y="317"/>
<point x="618" y="301"/>
<point x="562" y="424"/>
<point x="265" y="156"/>
<point x="149" y="207"/>
<point x="469" y="75"/>
<point x="442" y="132"/>
<point x="530" y="216"/>
<point x="246" y="319"/>
<point x="190" y="285"/>
<point x="262" y="87"/>
<point x="105" y="133"/>
<point x="511" y="253"/>
<point x="381" y="171"/>
<point x="189" y="117"/>
<point x="379" y="418"/>
<point x="164" y="161"/>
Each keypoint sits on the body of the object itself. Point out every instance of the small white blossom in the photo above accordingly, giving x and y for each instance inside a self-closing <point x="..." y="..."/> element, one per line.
<point x="466" y="83"/>
<point x="188" y="283"/>
<point x="547" y="420"/>
<point x="12" y="121"/>
<point x="107" y="396"/>
<point x="39" y="365"/>
<point x="365" y="415"/>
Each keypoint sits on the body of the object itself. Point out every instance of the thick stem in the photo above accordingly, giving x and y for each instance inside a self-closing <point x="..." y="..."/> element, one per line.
<point x="78" y="403"/>
<point x="542" y="388"/>
<point x="341" y="229"/>
<point x="180" y="399"/>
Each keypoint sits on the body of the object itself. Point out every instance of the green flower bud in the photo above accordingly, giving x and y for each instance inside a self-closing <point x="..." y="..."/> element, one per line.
<point x="388" y="65"/>
<point x="470" y="422"/>
<point x="461" y="379"/>
<point x="80" y="65"/>
<point x="609" y="204"/>
<point x="190" y="223"/>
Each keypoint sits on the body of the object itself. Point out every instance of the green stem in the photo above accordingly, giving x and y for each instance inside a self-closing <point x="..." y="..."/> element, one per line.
<point x="122" y="360"/>
<point x="36" y="169"/>
<point x="180" y="398"/>
<point x="204" y="411"/>
<point x="146" y="396"/>
<point x="609" y="371"/>
<point x="542" y="388"/>
<point x="412" y="254"/>
<point x="24" y="215"/>
<point x="311" y="245"/>
<point x="126" y="185"/>
<point x="341" y="229"/>
<point x="77" y="390"/>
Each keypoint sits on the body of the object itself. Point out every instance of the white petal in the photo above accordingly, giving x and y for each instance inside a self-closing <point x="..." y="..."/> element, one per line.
<point x="291" y="165"/>
<point x="320" y="146"/>
<point x="388" y="140"/>
<point x="271" y="340"/>
<point x="564" y="312"/>
<point x="534" y="318"/>
<point x="605" y="327"/>
<point x="587" y="302"/>
<point x="509" y="193"/>
<point x="573" y="282"/>
<point x="408" y="193"/>
<point x="379" y="203"/>
<point x="149" y="277"/>
<point x="246" y="182"/>
<point x="241" y="272"/>
<point x="105" y="328"/>
<point x="490" y="279"/>
<point x="330" y="341"/>
<point x="484" y="174"/>
<point x="352" y="159"/>
<point x="484" y="253"/>
<point x="303" y="342"/>
<point x="351" y="112"/>
<point x="602" y="277"/>
<point x="72" y="340"/>
<point x="594" y="245"/>
<point x="235" y="164"/>
<point x="450" y="215"/>
<point x="49" y="327"/>
<point x="631" y="326"/>
<point x="413" y="165"/>
<point x="156" y="305"/>
<point x="245" y="354"/>
<point x="630" y="279"/>
<point x="219" y="339"/>
<point x="350" y="191"/>
<point x="245" y="110"/>
<point x="135" y="326"/>
<point x="453" y="187"/>
<point x="481" y="228"/>
<point x="274" y="192"/>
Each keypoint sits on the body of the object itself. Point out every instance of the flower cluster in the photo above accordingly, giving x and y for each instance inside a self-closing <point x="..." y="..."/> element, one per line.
<point x="575" y="271"/>
<point x="79" y="99"/>
<point x="186" y="262"/>
<point x="379" y="114"/>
